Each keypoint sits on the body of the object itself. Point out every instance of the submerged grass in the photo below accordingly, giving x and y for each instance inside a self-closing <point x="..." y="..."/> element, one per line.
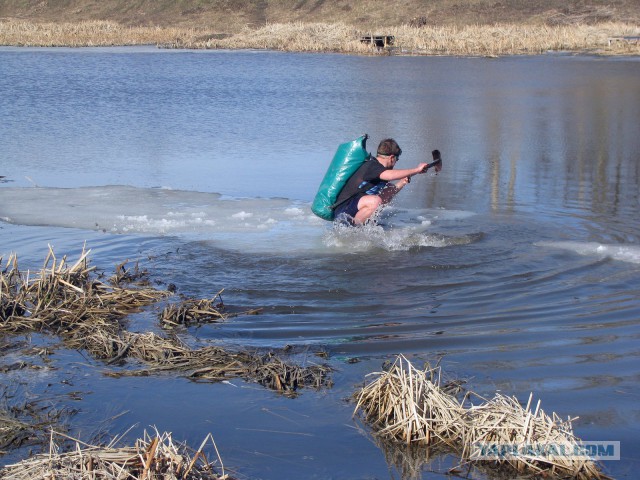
<point x="26" y="418"/>
<point x="606" y="38"/>
<point x="411" y="406"/>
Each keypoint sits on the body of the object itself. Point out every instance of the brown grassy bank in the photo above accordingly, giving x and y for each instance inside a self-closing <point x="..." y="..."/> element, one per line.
<point x="472" y="40"/>
<point x="87" y="34"/>
<point x="224" y="16"/>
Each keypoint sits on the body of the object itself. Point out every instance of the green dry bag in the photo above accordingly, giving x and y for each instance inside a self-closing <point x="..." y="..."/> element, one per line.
<point x="348" y="158"/>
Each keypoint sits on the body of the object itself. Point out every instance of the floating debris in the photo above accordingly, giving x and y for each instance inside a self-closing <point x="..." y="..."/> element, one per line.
<point x="124" y="275"/>
<point x="408" y="405"/>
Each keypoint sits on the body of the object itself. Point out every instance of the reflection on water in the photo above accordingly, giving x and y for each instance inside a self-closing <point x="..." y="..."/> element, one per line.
<point x="517" y="265"/>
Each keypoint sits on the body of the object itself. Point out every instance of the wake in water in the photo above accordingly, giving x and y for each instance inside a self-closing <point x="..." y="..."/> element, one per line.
<point x="395" y="237"/>
<point x="623" y="253"/>
<point x="275" y="225"/>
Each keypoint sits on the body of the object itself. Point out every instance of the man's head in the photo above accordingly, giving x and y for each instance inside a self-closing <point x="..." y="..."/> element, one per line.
<point x="389" y="152"/>
<point x="388" y="147"/>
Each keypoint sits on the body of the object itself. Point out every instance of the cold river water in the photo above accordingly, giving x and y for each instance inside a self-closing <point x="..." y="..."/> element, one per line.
<point x="517" y="266"/>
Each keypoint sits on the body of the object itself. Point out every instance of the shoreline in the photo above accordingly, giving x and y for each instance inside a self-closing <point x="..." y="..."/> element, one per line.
<point x="605" y="39"/>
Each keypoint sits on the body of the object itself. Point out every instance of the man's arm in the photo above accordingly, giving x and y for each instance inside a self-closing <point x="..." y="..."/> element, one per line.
<point x="389" y="175"/>
<point x="391" y="189"/>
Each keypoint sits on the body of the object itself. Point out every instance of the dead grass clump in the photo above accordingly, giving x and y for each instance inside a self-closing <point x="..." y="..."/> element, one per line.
<point x="25" y="424"/>
<point x="269" y="370"/>
<point x="216" y="364"/>
<point x="128" y="276"/>
<point x="192" y="312"/>
<point x="10" y="282"/>
<point x="65" y="300"/>
<point x="410" y="406"/>
<point x="152" y="457"/>
<point x="548" y="441"/>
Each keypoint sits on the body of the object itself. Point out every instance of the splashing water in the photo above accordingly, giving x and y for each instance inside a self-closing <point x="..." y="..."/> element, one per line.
<point x="245" y="224"/>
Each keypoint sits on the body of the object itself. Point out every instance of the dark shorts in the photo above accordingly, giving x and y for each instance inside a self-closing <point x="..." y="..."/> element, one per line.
<point x="346" y="211"/>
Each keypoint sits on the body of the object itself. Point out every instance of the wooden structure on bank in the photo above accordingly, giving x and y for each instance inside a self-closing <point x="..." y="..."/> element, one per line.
<point x="378" y="41"/>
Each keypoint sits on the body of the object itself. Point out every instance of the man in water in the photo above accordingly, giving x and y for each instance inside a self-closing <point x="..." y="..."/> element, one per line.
<point x="371" y="185"/>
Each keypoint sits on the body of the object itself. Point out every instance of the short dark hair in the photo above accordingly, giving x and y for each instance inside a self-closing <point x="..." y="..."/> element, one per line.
<point x="388" y="147"/>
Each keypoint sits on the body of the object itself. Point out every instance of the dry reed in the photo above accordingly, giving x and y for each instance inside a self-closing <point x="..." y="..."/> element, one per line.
<point x="294" y="37"/>
<point x="14" y="432"/>
<point x="213" y="363"/>
<point x="124" y="275"/>
<point x="88" y="34"/>
<point x="65" y="300"/>
<point x="192" y="312"/>
<point x="408" y="405"/>
<point x="548" y="442"/>
<point x="509" y="39"/>
<point x="470" y="40"/>
<point x="154" y="456"/>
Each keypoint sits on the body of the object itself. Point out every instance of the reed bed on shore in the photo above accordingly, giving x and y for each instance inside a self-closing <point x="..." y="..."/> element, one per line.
<point x="293" y="37"/>
<point x="496" y="40"/>
<point x="154" y="456"/>
<point x="470" y="40"/>
<point x="67" y="301"/>
<point x="411" y="406"/>
<point x="88" y="34"/>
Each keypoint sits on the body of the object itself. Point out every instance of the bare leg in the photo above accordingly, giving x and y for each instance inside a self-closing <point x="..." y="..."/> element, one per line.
<point x="367" y="207"/>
